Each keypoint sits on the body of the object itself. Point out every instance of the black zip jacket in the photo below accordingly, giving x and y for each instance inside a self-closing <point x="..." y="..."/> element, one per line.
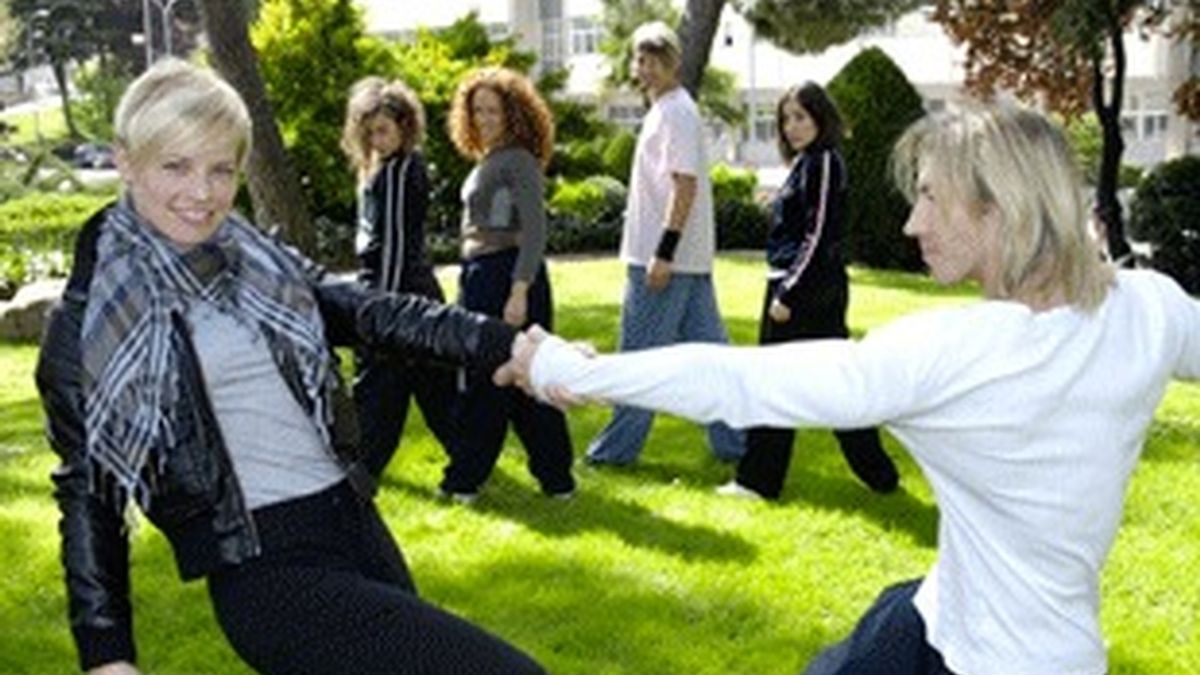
<point x="807" y="231"/>
<point x="196" y="499"/>
<point x="391" y="230"/>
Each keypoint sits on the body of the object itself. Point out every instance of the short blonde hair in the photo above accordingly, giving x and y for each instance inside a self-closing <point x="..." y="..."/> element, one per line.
<point x="527" y="115"/>
<point x="1019" y="163"/>
<point x="657" y="39"/>
<point x="372" y="96"/>
<point x="173" y="101"/>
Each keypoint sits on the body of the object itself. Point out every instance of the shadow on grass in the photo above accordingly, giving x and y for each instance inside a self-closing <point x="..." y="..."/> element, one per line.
<point x="635" y="623"/>
<point x="1172" y="441"/>
<point x="898" y="511"/>
<point x="590" y="510"/>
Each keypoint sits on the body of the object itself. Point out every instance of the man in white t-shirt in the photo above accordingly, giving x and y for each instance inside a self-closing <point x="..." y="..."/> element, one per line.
<point x="668" y="241"/>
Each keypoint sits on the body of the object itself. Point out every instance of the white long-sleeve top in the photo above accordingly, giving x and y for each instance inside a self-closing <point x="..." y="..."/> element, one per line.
<point x="1026" y="424"/>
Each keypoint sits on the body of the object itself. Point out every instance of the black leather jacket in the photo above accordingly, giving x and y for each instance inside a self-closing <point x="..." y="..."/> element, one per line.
<point x="197" y="502"/>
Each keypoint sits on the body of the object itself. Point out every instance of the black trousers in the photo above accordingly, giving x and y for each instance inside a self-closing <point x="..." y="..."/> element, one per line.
<point x="383" y="388"/>
<point x="764" y="467"/>
<point x="888" y="640"/>
<point x="488" y="409"/>
<point x="331" y="594"/>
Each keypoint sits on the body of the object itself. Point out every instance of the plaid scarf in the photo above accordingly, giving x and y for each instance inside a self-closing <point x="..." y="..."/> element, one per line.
<point x="132" y="355"/>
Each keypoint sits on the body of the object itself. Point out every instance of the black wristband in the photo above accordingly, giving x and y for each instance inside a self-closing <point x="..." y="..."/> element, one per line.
<point x="667" y="245"/>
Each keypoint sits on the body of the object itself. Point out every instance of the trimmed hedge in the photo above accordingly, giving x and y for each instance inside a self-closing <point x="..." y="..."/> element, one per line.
<point x="877" y="103"/>
<point x="46" y="221"/>
<point x="37" y="235"/>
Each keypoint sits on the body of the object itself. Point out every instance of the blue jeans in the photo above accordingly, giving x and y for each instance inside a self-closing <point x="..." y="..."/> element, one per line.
<point x="684" y="311"/>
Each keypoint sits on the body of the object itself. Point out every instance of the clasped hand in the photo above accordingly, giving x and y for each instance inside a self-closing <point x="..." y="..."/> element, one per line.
<point x="517" y="371"/>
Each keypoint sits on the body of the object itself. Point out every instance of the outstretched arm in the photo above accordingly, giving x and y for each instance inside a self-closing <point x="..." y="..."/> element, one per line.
<point x="820" y="383"/>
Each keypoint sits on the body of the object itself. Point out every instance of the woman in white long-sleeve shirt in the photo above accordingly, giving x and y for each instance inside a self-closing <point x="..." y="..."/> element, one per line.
<point x="1026" y="411"/>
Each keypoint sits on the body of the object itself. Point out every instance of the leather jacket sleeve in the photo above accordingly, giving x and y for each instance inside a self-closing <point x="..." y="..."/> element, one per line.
<point x="95" y="550"/>
<point x="358" y="316"/>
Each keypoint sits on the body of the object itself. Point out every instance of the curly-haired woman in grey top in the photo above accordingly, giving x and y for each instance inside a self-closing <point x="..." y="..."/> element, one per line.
<point x="499" y="120"/>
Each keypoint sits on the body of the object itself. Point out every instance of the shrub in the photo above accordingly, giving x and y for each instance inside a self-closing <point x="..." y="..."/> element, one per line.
<point x="741" y="224"/>
<point x="1165" y="213"/>
<point x="586" y="215"/>
<point x="730" y="184"/>
<point x="570" y="234"/>
<point x="593" y="198"/>
<point x="100" y="84"/>
<point x="310" y="52"/>
<point x="741" y="221"/>
<point x="37" y="234"/>
<point x="46" y="221"/>
<point x="877" y="103"/>
<point x="618" y="155"/>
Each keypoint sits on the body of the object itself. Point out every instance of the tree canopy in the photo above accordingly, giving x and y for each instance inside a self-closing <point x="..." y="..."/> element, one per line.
<point x="803" y="26"/>
<point x="1070" y="56"/>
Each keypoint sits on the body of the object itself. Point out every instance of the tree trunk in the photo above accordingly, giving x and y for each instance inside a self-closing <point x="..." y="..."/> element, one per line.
<point x="60" y="77"/>
<point x="696" y="31"/>
<point x="273" y="182"/>
<point x="1108" y="207"/>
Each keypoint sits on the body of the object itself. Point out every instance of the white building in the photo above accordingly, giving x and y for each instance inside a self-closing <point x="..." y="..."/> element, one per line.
<point x="568" y="33"/>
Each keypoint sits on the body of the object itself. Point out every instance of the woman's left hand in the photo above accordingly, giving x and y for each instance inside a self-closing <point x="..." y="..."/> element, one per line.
<point x="779" y="312"/>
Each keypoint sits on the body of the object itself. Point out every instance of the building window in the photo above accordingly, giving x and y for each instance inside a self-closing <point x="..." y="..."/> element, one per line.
<point x="1154" y="125"/>
<point x="585" y="35"/>
<point x="550" y="9"/>
<point x="763" y="124"/>
<point x="552" y="44"/>
<point x="935" y="105"/>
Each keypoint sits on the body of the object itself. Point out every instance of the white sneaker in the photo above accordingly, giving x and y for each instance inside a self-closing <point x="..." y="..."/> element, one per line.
<point x="736" y="489"/>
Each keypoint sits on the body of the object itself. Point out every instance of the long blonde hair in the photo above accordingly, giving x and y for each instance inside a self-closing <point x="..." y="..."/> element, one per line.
<point x="1017" y="162"/>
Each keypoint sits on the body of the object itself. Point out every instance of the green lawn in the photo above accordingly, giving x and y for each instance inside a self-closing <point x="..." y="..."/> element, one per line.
<point x="647" y="572"/>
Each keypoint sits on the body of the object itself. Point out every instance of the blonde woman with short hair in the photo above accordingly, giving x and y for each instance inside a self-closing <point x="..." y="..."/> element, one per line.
<point x="188" y="372"/>
<point x="1026" y="410"/>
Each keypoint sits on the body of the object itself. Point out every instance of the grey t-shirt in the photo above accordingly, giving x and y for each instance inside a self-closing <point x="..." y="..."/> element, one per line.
<point x="277" y="452"/>
<point x="503" y="208"/>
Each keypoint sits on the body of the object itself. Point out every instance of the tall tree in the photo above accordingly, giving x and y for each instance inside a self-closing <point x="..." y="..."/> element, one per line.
<point x="696" y="31"/>
<point x="273" y="182"/>
<point x="798" y="26"/>
<point x="1069" y="55"/>
<point x="57" y="33"/>
<point x="803" y="26"/>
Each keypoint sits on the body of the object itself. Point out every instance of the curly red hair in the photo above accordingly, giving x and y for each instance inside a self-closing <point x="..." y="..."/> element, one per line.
<point x="528" y="117"/>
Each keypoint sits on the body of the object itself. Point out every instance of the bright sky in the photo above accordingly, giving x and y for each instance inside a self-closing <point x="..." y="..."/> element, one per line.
<point x="394" y="15"/>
